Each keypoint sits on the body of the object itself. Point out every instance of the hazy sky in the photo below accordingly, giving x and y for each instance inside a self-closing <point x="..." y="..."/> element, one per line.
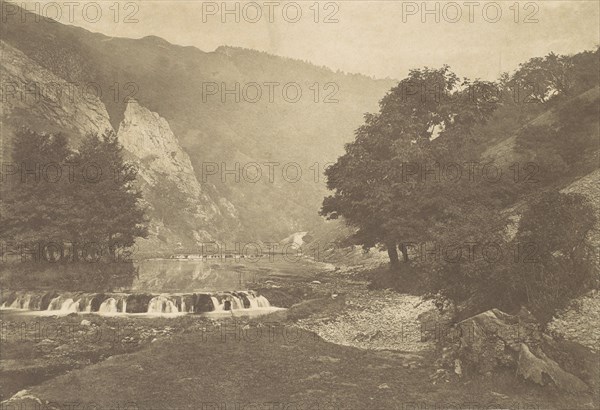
<point x="379" y="38"/>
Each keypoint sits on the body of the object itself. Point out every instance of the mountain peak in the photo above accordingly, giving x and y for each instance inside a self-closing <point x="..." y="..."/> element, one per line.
<point x="156" y="40"/>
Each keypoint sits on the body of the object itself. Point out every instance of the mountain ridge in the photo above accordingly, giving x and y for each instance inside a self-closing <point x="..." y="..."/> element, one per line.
<point x="171" y="80"/>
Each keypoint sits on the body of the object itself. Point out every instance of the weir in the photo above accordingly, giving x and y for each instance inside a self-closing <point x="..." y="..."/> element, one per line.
<point x="120" y="303"/>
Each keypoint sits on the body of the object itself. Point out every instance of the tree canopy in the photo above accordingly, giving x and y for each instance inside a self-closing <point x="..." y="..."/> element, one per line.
<point x="52" y="194"/>
<point x="385" y="184"/>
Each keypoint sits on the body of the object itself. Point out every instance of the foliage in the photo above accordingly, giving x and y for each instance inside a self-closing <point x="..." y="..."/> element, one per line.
<point x="568" y="145"/>
<point x="33" y="195"/>
<point x="111" y="202"/>
<point x="78" y="197"/>
<point x="543" y="267"/>
<point x="542" y="79"/>
<point x="541" y="261"/>
<point x="378" y="184"/>
<point x="564" y="266"/>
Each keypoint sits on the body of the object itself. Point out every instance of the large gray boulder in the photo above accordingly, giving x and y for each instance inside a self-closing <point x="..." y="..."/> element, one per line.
<point x="495" y="340"/>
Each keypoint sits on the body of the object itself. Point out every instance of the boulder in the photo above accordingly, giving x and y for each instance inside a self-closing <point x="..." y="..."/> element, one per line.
<point x="543" y="370"/>
<point x="494" y="340"/>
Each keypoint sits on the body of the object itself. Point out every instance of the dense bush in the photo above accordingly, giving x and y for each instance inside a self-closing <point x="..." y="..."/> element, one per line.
<point x="542" y="268"/>
<point x="566" y="147"/>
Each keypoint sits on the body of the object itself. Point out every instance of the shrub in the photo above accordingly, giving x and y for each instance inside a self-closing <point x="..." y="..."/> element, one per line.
<point x="547" y="264"/>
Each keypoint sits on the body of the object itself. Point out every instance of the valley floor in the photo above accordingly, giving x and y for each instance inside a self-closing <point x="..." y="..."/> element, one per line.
<point x="339" y="348"/>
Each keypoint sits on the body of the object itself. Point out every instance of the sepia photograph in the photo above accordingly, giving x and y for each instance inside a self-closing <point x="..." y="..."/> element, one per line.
<point x="299" y="205"/>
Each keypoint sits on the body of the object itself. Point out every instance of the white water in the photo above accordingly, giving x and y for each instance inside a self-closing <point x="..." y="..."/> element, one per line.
<point x="54" y="304"/>
<point x="70" y="306"/>
<point x="26" y="302"/>
<point x="253" y="302"/>
<point x="21" y="302"/>
<point x="161" y="304"/>
<point x="262" y="302"/>
<point x="109" y="306"/>
<point x="218" y="306"/>
<point x="236" y="303"/>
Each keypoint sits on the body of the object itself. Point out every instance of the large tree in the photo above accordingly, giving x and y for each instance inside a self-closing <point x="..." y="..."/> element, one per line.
<point x="35" y="189"/>
<point x="381" y="184"/>
<point x="52" y="194"/>
<point x="111" y="212"/>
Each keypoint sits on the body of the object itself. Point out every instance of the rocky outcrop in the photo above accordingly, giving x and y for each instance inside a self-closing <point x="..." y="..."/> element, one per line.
<point x="168" y="178"/>
<point x="494" y="340"/>
<point x="148" y="137"/>
<point x="182" y="213"/>
<point x="34" y="96"/>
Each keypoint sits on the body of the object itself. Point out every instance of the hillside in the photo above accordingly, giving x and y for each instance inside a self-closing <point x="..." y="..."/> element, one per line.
<point x="169" y="80"/>
<point x="165" y="171"/>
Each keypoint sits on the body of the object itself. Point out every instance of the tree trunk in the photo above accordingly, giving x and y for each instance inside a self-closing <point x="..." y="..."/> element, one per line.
<point x="404" y="251"/>
<point x="393" y="254"/>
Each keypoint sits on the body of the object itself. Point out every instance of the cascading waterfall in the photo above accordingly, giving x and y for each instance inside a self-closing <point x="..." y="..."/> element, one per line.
<point x="21" y="301"/>
<point x="109" y="306"/>
<point x="262" y="302"/>
<point x="26" y="302"/>
<point x="217" y="305"/>
<point x="17" y="304"/>
<point x="253" y="303"/>
<point x="70" y="306"/>
<point x="162" y="304"/>
<point x="55" y="304"/>
<point x="140" y="303"/>
<point x="236" y="303"/>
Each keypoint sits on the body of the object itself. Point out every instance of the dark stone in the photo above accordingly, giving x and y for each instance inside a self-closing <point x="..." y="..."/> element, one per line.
<point x="46" y="299"/>
<point x="494" y="339"/>
<point x="97" y="301"/>
<point x="203" y="303"/>
<point x="244" y="299"/>
<point x="138" y="303"/>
